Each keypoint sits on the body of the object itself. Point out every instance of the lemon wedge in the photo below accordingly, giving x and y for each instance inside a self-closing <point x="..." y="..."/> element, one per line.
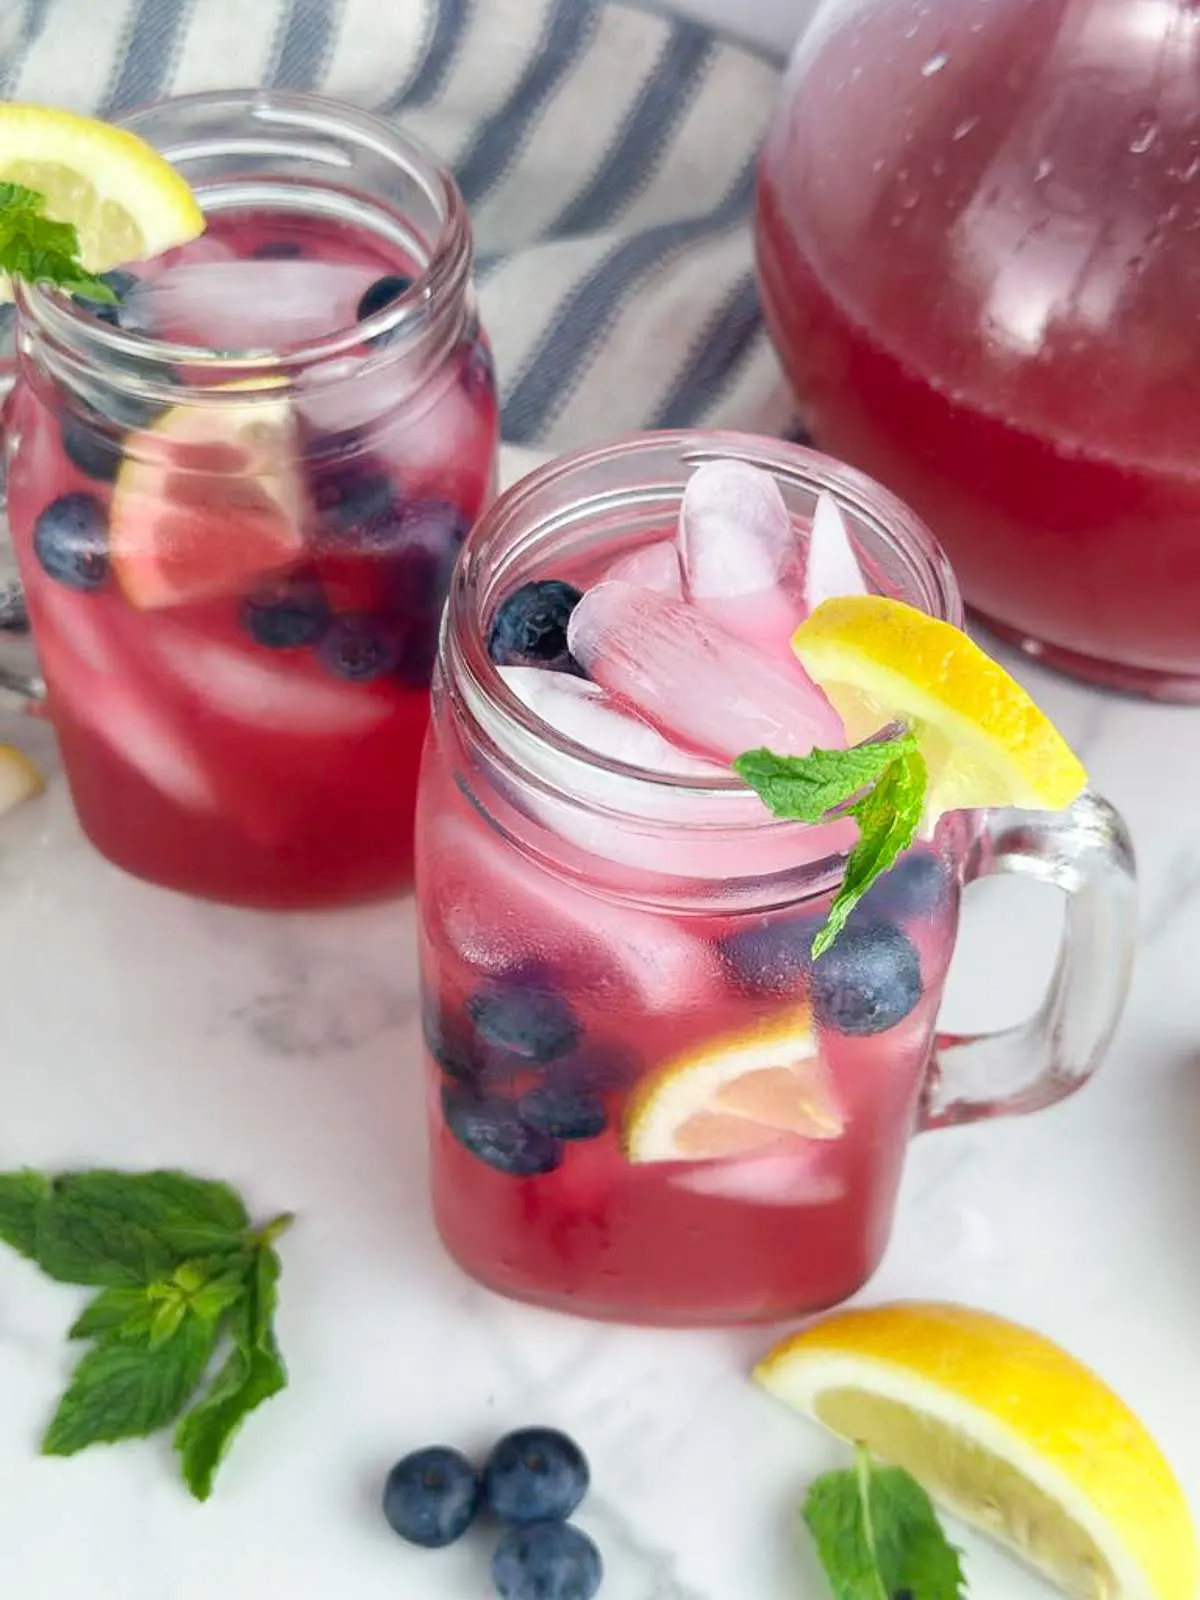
<point x="734" y="1096"/>
<point x="1007" y="1431"/>
<point x="984" y="741"/>
<point x="19" y="778"/>
<point x="126" y="201"/>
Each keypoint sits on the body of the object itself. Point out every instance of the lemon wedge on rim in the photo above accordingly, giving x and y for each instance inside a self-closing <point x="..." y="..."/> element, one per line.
<point x="127" y="202"/>
<point x="984" y="741"/>
<point x="1007" y="1431"/>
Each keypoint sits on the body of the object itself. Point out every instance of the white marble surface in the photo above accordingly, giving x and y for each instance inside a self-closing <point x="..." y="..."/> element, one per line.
<point x="138" y="1028"/>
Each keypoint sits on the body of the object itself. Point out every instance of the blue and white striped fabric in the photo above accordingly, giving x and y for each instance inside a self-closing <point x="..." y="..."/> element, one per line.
<point x="606" y="152"/>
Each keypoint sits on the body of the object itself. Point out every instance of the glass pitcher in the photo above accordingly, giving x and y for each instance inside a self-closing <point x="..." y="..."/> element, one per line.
<point x="978" y="241"/>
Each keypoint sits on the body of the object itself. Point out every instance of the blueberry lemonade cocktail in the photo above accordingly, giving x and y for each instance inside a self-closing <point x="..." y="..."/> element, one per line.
<point x="677" y="1038"/>
<point x="237" y="487"/>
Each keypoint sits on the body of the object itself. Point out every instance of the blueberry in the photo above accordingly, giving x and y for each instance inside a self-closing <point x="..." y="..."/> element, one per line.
<point x="351" y="496"/>
<point x="526" y="1013"/>
<point x="431" y="1497"/>
<point x="535" y="1475"/>
<point x="563" y="1112"/>
<point x="530" y="627"/>
<point x="915" y="886"/>
<point x="89" y="442"/>
<point x="359" y="648"/>
<point x="383" y="293"/>
<point x="120" y="283"/>
<point x="491" y="1129"/>
<point x="70" y="538"/>
<point x="868" y="980"/>
<point x="463" y="1055"/>
<point x="548" y="1561"/>
<point x="277" y="250"/>
<point x="287" y="616"/>
<point x="771" y="958"/>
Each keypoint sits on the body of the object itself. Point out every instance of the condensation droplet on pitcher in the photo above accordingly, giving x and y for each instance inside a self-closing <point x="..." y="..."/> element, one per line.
<point x="934" y="64"/>
<point x="1043" y="170"/>
<point x="968" y="125"/>
<point x="1145" y="132"/>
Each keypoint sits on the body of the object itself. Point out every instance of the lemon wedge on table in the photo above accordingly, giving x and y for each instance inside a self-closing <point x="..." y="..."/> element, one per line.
<point x="126" y="201"/>
<point x="19" y="778"/>
<point x="984" y="741"/>
<point x="1007" y="1431"/>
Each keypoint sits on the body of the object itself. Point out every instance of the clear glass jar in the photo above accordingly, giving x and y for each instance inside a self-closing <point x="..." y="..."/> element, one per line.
<point x="977" y="235"/>
<point x="608" y="954"/>
<point x="235" y="558"/>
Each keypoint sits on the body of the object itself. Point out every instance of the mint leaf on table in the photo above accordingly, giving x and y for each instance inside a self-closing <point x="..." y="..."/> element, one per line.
<point x="253" y="1372"/>
<point x="878" y="1536"/>
<point x="21" y="1194"/>
<point x="182" y="1276"/>
<point x="881" y="784"/>
<point x="127" y="1388"/>
<point x="38" y="249"/>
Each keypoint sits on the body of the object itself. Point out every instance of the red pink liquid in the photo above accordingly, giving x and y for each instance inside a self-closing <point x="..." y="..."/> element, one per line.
<point x="199" y="757"/>
<point x="977" y="235"/>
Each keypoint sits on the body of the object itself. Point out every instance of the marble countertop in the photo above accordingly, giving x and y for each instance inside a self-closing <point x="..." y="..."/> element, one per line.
<point x="138" y="1028"/>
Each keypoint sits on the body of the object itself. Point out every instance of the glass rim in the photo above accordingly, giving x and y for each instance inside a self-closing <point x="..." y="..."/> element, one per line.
<point x="407" y="321"/>
<point x="474" y="682"/>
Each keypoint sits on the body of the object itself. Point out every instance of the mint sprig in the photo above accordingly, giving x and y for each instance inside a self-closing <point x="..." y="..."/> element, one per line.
<point x="40" y="249"/>
<point x="182" y="1278"/>
<point x="880" y="784"/>
<point x="878" y="1536"/>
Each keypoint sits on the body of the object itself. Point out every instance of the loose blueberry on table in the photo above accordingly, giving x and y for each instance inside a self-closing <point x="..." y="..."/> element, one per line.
<point x="547" y="1561"/>
<point x="535" y="1475"/>
<point x="529" y="628"/>
<point x="431" y="1497"/>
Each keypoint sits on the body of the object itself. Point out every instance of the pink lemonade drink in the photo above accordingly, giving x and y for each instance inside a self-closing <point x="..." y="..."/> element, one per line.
<point x="236" y="499"/>
<point x="648" y="1101"/>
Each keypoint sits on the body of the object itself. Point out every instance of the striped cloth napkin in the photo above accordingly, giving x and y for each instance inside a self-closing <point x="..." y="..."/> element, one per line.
<point x="606" y="153"/>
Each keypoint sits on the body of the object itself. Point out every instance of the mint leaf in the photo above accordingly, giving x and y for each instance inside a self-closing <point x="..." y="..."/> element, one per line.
<point x="39" y="249"/>
<point x="807" y="788"/>
<point x="96" y="1245"/>
<point x="126" y="1389"/>
<point x="888" y="817"/>
<point x="116" y="1313"/>
<point x="878" y="1536"/>
<point x="252" y="1374"/>
<point x="21" y="1193"/>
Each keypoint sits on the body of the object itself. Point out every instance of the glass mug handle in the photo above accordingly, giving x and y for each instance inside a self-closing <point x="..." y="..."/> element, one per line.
<point x="20" y="681"/>
<point x="1085" y="852"/>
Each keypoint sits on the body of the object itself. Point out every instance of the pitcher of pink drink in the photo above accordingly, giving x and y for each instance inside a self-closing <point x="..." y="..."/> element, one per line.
<point x="977" y="235"/>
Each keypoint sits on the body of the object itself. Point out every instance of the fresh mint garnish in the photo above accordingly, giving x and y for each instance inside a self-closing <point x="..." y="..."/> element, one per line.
<point x="878" y="1535"/>
<point x="881" y="784"/>
<point x="35" y="247"/>
<point x="182" y="1276"/>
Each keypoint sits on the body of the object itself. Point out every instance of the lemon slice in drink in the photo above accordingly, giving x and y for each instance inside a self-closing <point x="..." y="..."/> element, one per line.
<point x="984" y="741"/>
<point x="1007" y="1431"/>
<point x="126" y="201"/>
<point x="735" y="1095"/>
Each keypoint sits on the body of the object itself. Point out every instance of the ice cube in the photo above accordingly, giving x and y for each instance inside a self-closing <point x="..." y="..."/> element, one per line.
<point x="651" y="566"/>
<point x="293" y="697"/>
<point x="740" y="555"/>
<point x="248" y="305"/>
<point x="500" y="911"/>
<point x="798" y="1173"/>
<point x="585" y="713"/>
<point x="699" y="685"/>
<point x="831" y="567"/>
